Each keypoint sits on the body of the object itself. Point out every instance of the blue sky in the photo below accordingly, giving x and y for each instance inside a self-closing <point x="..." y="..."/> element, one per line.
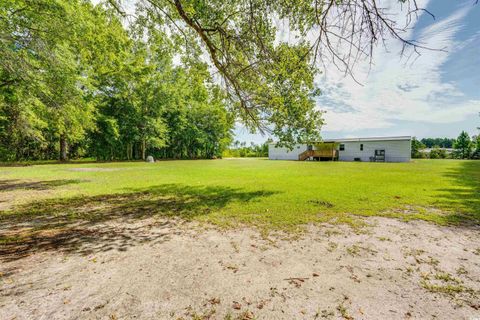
<point x="435" y="95"/>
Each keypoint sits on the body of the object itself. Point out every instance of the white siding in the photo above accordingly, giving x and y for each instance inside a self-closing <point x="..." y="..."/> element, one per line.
<point x="275" y="153"/>
<point x="395" y="151"/>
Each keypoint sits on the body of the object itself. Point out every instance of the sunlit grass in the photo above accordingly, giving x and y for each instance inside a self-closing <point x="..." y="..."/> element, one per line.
<point x="272" y="194"/>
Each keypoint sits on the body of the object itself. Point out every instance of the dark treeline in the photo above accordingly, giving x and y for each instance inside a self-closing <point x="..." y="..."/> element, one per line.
<point x="438" y="142"/>
<point x="74" y="82"/>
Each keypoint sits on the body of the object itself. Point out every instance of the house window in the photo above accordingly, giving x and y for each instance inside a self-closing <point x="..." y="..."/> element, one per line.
<point x="342" y="147"/>
<point x="361" y="146"/>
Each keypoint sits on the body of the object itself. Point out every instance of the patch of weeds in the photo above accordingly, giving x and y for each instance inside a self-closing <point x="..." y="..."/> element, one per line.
<point x="409" y="270"/>
<point x="336" y="218"/>
<point x="461" y="270"/>
<point x="477" y="252"/>
<point x="235" y="246"/>
<point x="449" y="289"/>
<point x="324" y="314"/>
<point x="331" y="232"/>
<point x="332" y="246"/>
<point x="344" y="312"/>
<point x="206" y="315"/>
<point x="444" y="283"/>
<point x="432" y="261"/>
<point x="413" y="252"/>
<point x="446" y="277"/>
<point x="354" y="250"/>
<point x="384" y="239"/>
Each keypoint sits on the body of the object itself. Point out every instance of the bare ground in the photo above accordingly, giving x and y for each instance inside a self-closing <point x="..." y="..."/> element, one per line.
<point x="168" y="269"/>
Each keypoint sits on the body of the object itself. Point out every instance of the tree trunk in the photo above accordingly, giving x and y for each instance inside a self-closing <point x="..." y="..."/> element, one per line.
<point x="144" y="145"/>
<point x="63" y="148"/>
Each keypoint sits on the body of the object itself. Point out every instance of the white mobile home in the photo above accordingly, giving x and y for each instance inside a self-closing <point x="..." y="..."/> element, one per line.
<point x="378" y="149"/>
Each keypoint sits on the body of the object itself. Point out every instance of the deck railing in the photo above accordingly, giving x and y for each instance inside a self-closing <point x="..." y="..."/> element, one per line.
<point x="318" y="154"/>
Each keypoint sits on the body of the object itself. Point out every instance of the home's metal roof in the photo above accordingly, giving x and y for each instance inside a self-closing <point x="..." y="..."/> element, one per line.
<point x="396" y="138"/>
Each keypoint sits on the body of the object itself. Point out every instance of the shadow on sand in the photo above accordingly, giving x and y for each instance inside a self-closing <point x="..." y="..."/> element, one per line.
<point x="92" y="224"/>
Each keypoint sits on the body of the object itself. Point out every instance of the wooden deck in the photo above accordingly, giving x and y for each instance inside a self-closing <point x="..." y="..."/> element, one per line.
<point x="327" y="154"/>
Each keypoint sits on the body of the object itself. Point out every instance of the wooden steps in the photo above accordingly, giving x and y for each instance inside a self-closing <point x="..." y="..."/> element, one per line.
<point x="328" y="154"/>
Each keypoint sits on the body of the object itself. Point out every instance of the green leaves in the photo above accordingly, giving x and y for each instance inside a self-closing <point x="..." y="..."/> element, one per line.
<point x="52" y="53"/>
<point x="463" y="145"/>
<point x="269" y="85"/>
<point x="172" y="80"/>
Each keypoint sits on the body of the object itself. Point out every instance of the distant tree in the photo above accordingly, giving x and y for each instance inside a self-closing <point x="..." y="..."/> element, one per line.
<point x="438" y="153"/>
<point x="476" y="141"/>
<point x="241" y="150"/>
<point x="463" y="145"/>
<point x="476" y="144"/>
<point x="416" y="147"/>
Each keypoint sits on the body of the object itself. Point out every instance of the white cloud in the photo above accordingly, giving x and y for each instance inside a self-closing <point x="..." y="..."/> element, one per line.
<point x="397" y="89"/>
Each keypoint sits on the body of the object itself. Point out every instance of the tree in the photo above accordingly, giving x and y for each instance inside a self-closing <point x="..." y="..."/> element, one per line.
<point x="269" y="83"/>
<point x="75" y="81"/>
<point x="476" y="147"/>
<point x="463" y="145"/>
<point x="416" y="147"/>
<point x="50" y="53"/>
<point x="437" y="153"/>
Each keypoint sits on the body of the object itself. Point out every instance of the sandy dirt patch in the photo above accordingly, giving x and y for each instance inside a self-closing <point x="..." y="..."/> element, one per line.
<point x="158" y="269"/>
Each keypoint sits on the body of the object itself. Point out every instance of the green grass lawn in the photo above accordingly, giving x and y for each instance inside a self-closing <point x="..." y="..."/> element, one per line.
<point x="268" y="194"/>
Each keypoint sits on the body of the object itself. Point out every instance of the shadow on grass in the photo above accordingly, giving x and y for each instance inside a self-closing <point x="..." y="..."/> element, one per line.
<point x="16" y="184"/>
<point x="463" y="199"/>
<point x="86" y="225"/>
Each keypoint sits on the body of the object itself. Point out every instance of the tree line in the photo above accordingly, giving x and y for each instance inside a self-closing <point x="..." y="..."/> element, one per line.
<point x="242" y="150"/>
<point x="76" y="82"/>
<point x="438" y="142"/>
<point x="463" y="147"/>
<point x="78" y="79"/>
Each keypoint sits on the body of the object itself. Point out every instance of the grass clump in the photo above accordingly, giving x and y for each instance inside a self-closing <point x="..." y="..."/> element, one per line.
<point x="448" y="289"/>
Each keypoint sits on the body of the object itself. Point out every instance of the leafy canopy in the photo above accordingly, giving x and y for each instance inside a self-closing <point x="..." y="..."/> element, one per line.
<point x="270" y="84"/>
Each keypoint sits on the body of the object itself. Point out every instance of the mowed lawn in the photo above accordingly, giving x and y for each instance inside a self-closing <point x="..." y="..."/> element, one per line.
<point x="231" y="192"/>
